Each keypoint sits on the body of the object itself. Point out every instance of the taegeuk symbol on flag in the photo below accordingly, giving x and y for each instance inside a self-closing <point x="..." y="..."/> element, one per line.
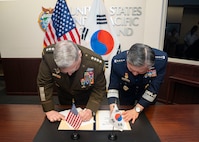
<point x="116" y="118"/>
<point x="99" y="36"/>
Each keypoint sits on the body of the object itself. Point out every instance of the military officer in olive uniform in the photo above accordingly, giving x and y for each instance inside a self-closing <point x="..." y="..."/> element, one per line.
<point x="136" y="76"/>
<point x="78" y="74"/>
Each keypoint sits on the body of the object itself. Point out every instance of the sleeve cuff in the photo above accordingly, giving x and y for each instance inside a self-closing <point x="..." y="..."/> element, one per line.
<point x="47" y="106"/>
<point x="112" y="100"/>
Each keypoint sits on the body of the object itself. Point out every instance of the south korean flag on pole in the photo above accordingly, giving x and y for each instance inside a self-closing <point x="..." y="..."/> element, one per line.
<point x="116" y="119"/>
<point x="99" y="36"/>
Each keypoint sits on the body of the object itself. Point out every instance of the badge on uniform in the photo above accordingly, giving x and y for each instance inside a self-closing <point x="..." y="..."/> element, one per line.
<point x="125" y="88"/>
<point x="126" y="77"/>
<point x="151" y="73"/>
<point x="88" y="79"/>
<point x="57" y="72"/>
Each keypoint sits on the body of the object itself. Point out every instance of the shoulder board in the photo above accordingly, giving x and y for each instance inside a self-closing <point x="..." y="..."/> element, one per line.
<point x="49" y="49"/>
<point x="93" y="58"/>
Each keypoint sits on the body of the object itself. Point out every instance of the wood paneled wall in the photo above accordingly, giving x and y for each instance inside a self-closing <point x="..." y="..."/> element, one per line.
<point x="183" y="93"/>
<point x="20" y="77"/>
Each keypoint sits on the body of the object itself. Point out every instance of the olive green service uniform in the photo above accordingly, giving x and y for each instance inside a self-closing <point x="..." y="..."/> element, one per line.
<point x="87" y="86"/>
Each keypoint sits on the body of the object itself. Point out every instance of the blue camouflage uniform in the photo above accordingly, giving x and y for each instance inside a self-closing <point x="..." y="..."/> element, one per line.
<point x="142" y="88"/>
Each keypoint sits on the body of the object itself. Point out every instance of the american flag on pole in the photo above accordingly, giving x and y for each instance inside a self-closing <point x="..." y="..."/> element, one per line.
<point x="61" y="26"/>
<point x="73" y="118"/>
<point x="98" y="35"/>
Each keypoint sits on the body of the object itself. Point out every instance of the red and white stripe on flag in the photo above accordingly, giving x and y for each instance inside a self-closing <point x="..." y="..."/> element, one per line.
<point x="73" y="118"/>
<point x="61" y="26"/>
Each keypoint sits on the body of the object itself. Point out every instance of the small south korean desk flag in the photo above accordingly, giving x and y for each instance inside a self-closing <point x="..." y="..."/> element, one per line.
<point x="116" y="118"/>
<point x="99" y="36"/>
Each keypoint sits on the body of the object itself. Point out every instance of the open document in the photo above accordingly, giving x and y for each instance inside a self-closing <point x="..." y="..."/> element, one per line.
<point x="88" y="125"/>
<point x="102" y="122"/>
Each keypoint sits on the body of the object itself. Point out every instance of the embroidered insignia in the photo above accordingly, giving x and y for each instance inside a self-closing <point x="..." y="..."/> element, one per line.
<point x="56" y="75"/>
<point x="160" y="57"/>
<point x="146" y="86"/>
<point x="125" y="88"/>
<point x="125" y="78"/>
<point x="119" y="60"/>
<point x="126" y="75"/>
<point x="57" y="72"/>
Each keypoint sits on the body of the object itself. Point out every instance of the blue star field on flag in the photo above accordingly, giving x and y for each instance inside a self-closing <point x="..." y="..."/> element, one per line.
<point x="62" y="19"/>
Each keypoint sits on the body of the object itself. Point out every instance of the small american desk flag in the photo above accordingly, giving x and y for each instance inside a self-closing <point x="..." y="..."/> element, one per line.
<point x="73" y="118"/>
<point x="61" y="26"/>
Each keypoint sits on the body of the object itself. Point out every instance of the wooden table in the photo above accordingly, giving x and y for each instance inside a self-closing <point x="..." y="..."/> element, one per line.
<point x="20" y="123"/>
<point x="173" y="123"/>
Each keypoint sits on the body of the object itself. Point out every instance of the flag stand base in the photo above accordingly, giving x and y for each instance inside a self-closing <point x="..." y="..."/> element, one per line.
<point x="75" y="136"/>
<point x="112" y="137"/>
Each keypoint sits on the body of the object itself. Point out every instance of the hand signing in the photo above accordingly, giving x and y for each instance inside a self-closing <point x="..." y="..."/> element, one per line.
<point x="85" y="114"/>
<point x="111" y="107"/>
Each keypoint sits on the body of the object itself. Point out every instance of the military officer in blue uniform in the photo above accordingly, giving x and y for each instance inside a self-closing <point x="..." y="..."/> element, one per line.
<point x="78" y="74"/>
<point x="136" y="76"/>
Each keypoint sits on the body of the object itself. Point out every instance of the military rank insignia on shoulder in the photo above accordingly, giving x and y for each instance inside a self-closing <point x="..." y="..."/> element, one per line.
<point x="49" y="49"/>
<point x="96" y="59"/>
<point x="93" y="58"/>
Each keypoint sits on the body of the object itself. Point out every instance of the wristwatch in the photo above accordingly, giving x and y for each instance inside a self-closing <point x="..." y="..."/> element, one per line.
<point x="137" y="109"/>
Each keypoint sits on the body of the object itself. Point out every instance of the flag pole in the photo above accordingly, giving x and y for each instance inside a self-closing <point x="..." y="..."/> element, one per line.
<point x="112" y="136"/>
<point x="75" y="135"/>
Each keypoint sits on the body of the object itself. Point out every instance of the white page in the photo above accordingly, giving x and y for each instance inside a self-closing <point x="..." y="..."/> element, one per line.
<point x="102" y="120"/>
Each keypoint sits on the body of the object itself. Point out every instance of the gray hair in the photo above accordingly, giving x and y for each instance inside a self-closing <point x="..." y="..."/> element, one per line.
<point x="140" y="55"/>
<point x="65" y="53"/>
